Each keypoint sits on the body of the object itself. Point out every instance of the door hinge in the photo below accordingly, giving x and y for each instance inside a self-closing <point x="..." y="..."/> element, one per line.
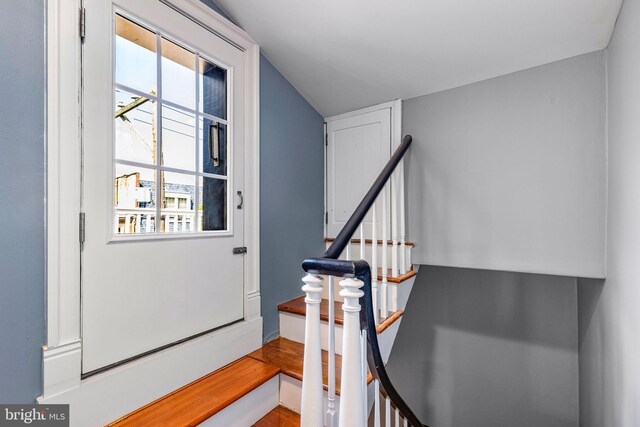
<point x="240" y="250"/>
<point x="326" y="139"/>
<point x="326" y="217"/>
<point x="82" y="227"/>
<point x="83" y="23"/>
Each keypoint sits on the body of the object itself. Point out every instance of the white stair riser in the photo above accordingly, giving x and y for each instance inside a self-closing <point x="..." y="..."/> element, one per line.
<point x="355" y="253"/>
<point x="291" y="394"/>
<point x="397" y="293"/>
<point x="248" y="409"/>
<point x="292" y="328"/>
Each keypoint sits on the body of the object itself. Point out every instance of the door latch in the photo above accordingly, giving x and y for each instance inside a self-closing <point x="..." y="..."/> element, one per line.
<point x="240" y="250"/>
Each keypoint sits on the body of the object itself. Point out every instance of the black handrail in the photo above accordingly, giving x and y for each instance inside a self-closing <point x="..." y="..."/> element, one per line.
<point x="358" y="215"/>
<point x="329" y="264"/>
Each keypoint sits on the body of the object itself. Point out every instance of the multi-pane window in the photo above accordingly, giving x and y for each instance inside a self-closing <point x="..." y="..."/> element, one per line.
<point x="171" y="151"/>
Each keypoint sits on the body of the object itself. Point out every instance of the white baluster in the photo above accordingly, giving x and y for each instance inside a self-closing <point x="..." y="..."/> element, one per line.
<point x="351" y="397"/>
<point x="392" y="302"/>
<point x="374" y="264"/>
<point x="363" y="367"/>
<point x="397" y="423"/>
<point x="383" y="286"/>
<point x="376" y="405"/>
<point x="138" y="221"/>
<point x="311" y="414"/>
<point x="403" y="248"/>
<point x="348" y="252"/>
<point x="387" y="412"/>
<point x="332" y="420"/>
<point x="362" y="241"/>
<point x="405" y="423"/>
<point x="394" y="224"/>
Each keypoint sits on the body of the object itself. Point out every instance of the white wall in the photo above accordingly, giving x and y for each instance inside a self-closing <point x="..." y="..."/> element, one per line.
<point x="509" y="173"/>
<point x="610" y="347"/>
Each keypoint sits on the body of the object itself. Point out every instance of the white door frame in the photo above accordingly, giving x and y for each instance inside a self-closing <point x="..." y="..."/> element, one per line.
<point x="101" y="396"/>
<point x="396" y="137"/>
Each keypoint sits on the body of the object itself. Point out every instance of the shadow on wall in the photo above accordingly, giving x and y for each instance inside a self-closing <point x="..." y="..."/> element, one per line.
<point x="592" y="351"/>
<point x="487" y="348"/>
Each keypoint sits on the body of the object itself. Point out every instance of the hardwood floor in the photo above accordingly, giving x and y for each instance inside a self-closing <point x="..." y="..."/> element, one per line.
<point x="279" y="417"/>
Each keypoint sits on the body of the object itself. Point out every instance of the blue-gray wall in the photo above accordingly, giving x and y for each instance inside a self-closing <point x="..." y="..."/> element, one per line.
<point x="291" y="193"/>
<point x="22" y="323"/>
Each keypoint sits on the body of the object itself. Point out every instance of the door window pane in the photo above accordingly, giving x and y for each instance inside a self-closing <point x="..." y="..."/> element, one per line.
<point x="136" y="61"/>
<point x="213" y="89"/>
<point x="212" y="210"/>
<point x="178" y="74"/>
<point x="213" y="147"/>
<point x="135" y="121"/>
<point x="178" y="202"/>
<point x="135" y="207"/>
<point x="178" y="138"/>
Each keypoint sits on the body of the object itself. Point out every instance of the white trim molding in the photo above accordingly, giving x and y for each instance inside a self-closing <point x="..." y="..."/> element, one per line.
<point x="99" y="398"/>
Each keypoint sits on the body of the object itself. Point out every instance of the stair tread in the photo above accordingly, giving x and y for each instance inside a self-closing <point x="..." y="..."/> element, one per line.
<point x="288" y="356"/>
<point x="279" y="417"/>
<point x="369" y="241"/>
<point x="201" y="399"/>
<point x="299" y="306"/>
<point x="406" y="276"/>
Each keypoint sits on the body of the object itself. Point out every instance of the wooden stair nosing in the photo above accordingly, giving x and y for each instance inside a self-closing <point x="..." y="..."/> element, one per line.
<point x="279" y="417"/>
<point x="369" y="241"/>
<point x="406" y="276"/>
<point x="204" y="397"/>
<point x="299" y="307"/>
<point x="288" y="356"/>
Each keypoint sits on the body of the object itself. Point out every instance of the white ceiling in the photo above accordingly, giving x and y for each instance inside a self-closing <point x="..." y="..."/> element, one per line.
<point x="342" y="55"/>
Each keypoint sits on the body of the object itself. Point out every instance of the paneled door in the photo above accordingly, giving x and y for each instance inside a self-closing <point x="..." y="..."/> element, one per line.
<point x="162" y="181"/>
<point x="358" y="147"/>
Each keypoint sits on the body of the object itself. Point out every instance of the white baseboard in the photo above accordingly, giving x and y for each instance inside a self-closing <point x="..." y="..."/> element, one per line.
<point x="105" y="397"/>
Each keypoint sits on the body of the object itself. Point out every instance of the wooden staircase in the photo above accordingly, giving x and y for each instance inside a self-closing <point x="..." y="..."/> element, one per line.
<point x="232" y="392"/>
<point x="297" y="376"/>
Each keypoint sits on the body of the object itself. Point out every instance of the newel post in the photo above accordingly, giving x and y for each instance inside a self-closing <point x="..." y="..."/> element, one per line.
<point x="351" y="390"/>
<point x="312" y="408"/>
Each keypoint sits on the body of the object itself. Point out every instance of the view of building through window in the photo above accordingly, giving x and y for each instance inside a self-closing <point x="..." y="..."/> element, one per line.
<point x="162" y="90"/>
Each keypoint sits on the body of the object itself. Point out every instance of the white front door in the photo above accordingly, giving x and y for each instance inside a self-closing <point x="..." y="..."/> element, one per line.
<point x="358" y="147"/>
<point x="163" y="153"/>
